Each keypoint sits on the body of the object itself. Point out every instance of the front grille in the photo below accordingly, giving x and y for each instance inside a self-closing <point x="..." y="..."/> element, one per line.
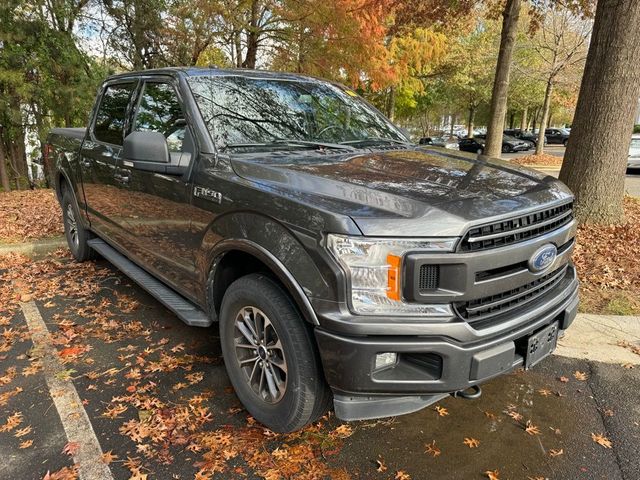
<point x="486" y="307"/>
<point x="429" y="277"/>
<point x="518" y="229"/>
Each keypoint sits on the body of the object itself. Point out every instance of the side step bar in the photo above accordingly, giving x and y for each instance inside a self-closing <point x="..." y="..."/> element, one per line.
<point x="185" y="310"/>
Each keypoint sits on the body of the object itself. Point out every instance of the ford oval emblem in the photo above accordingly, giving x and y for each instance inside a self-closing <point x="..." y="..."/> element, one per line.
<point x="542" y="258"/>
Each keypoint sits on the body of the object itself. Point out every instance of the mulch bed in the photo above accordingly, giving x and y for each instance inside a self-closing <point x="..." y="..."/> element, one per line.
<point x="29" y="214"/>
<point x="544" y="160"/>
<point x="608" y="263"/>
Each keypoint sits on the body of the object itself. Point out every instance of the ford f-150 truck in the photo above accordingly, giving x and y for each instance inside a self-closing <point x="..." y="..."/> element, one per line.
<point x="342" y="263"/>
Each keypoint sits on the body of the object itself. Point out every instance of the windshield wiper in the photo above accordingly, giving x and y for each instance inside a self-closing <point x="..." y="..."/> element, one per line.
<point x="292" y="143"/>
<point x="376" y="140"/>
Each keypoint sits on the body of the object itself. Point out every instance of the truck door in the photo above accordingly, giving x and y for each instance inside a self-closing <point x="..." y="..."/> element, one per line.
<point x="154" y="209"/>
<point x="99" y="155"/>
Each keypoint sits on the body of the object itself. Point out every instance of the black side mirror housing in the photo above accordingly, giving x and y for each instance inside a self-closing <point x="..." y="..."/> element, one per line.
<point x="146" y="151"/>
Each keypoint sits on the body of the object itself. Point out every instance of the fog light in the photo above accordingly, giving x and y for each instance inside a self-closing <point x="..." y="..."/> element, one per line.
<point x="385" y="359"/>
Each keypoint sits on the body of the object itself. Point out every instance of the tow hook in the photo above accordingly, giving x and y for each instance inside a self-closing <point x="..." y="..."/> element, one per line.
<point x="470" y="393"/>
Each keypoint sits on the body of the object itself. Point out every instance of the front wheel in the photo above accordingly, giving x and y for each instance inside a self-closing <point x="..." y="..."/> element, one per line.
<point x="77" y="236"/>
<point x="270" y="355"/>
<point x="506" y="149"/>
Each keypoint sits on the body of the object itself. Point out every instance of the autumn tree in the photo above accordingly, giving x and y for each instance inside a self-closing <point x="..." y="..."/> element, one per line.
<point x="561" y="44"/>
<point x="595" y="160"/>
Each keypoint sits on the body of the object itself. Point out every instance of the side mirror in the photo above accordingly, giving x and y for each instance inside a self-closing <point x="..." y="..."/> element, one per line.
<point x="146" y="151"/>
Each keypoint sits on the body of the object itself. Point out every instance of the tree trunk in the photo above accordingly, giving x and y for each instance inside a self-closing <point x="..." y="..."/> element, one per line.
<point x="493" y="145"/>
<point x="524" y="120"/>
<point x="391" y="105"/>
<point x="545" y="116"/>
<point x="453" y="124"/>
<point x="4" y="177"/>
<point x="596" y="158"/>
<point x="512" y="119"/>
<point x="252" y="38"/>
<point x="534" y="119"/>
<point x="472" y="117"/>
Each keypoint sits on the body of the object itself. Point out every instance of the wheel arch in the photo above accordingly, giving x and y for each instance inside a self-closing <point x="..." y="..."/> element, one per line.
<point x="235" y="258"/>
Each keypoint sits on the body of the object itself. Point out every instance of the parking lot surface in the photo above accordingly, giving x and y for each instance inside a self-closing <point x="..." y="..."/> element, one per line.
<point x="157" y="399"/>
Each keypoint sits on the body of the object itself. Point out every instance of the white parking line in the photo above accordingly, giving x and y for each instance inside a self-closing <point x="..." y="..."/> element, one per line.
<point x="73" y="416"/>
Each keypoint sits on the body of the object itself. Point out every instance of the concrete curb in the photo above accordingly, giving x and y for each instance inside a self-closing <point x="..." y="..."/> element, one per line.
<point x="34" y="249"/>
<point x="596" y="337"/>
<point x="549" y="168"/>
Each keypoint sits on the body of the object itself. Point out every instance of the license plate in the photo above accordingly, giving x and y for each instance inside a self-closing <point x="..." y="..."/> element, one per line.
<point x="541" y="344"/>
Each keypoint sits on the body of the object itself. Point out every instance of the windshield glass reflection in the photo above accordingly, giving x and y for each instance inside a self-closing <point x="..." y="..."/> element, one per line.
<point x="248" y="113"/>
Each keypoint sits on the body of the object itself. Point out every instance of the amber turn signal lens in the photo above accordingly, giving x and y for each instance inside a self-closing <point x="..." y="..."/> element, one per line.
<point x="393" y="277"/>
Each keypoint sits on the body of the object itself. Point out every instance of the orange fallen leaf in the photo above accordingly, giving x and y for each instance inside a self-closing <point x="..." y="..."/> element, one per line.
<point x="26" y="444"/>
<point x="108" y="457"/>
<point x="400" y="475"/>
<point x="531" y="429"/>
<point x="492" y="474"/>
<point x="71" y="448"/>
<point x="443" y="412"/>
<point x="381" y="466"/>
<point x="556" y="453"/>
<point x="431" y="449"/>
<point x="601" y="440"/>
<point x="471" y="442"/>
<point x="581" y="376"/>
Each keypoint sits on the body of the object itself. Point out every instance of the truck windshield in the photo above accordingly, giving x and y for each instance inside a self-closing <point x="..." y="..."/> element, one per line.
<point x="248" y="114"/>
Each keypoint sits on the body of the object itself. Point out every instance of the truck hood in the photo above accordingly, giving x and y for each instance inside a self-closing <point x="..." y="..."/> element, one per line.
<point x="410" y="192"/>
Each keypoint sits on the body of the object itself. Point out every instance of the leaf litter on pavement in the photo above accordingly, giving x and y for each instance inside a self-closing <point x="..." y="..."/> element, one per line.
<point x="153" y="392"/>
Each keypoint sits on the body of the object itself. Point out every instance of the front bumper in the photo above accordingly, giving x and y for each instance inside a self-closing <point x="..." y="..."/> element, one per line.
<point x="431" y="365"/>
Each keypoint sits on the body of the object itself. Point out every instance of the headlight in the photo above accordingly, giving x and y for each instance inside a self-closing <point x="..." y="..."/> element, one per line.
<point x="374" y="267"/>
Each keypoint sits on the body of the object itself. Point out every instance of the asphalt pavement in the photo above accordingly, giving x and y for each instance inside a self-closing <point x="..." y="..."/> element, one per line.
<point x="157" y="397"/>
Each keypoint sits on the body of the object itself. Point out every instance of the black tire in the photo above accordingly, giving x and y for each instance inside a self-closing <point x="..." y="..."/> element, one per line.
<point x="506" y="148"/>
<point x="564" y="142"/>
<point x="77" y="235"/>
<point x="305" y="396"/>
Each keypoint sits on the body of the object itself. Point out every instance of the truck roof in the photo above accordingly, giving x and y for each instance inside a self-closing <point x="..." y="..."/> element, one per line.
<point x="214" y="71"/>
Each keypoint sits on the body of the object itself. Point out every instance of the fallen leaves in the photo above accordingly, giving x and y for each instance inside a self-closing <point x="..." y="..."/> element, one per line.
<point x="600" y="439"/>
<point x="556" y="453"/>
<point x="531" y="429"/>
<point x="12" y="422"/>
<point x="471" y="442"/>
<point x="108" y="457"/>
<point x="29" y="214"/>
<point x="580" y="376"/>
<point x="26" y="444"/>
<point x="381" y="465"/>
<point x="65" y="473"/>
<point x="71" y="448"/>
<point x="431" y="449"/>
<point x="492" y="474"/>
<point x="443" y="412"/>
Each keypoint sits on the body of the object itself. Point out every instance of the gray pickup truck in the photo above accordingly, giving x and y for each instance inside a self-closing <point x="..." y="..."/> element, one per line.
<point x="342" y="263"/>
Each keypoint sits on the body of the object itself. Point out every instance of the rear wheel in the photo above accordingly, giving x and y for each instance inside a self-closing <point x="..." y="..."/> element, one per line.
<point x="270" y="355"/>
<point x="506" y="148"/>
<point x="77" y="236"/>
<point x="564" y="142"/>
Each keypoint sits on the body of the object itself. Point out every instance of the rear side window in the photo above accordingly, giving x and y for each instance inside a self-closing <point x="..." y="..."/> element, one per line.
<point x="159" y="111"/>
<point x="110" y="118"/>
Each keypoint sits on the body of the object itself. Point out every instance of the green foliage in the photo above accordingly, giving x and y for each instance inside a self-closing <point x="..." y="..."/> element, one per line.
<point x="636" y="128"/>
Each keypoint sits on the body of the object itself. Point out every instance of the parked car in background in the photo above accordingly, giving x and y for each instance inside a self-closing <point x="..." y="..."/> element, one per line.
<point x="445" y="141"/>
<point x="473" y="145"/>
<point x="342" y="262"/>
<point x="633" y="160"/>
<point x="510" y="144"/>
<point x="524" y="135"/>
<point x="557" y="135"/>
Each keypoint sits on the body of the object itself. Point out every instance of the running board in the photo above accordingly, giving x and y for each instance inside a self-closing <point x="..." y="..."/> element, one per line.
<point x="183" y="308"/>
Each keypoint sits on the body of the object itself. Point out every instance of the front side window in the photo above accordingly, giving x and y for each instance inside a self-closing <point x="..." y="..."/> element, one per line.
<point x="111" y="115"/>
<point x="249" y="112"/>
<point x="159" y="111"/>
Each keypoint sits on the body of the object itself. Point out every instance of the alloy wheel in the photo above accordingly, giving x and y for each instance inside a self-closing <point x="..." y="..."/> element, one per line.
<point x="73" y="226"/>
<point x="260" y="354"/>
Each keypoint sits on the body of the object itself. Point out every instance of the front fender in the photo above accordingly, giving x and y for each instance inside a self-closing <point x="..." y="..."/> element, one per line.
<point x="294" y="256"/>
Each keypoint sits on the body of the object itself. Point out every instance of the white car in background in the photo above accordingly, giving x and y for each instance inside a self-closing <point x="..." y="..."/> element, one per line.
<point x="633" y="161"/>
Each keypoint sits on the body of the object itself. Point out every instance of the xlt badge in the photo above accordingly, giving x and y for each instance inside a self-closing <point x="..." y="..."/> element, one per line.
<point x="207" y="194"/>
